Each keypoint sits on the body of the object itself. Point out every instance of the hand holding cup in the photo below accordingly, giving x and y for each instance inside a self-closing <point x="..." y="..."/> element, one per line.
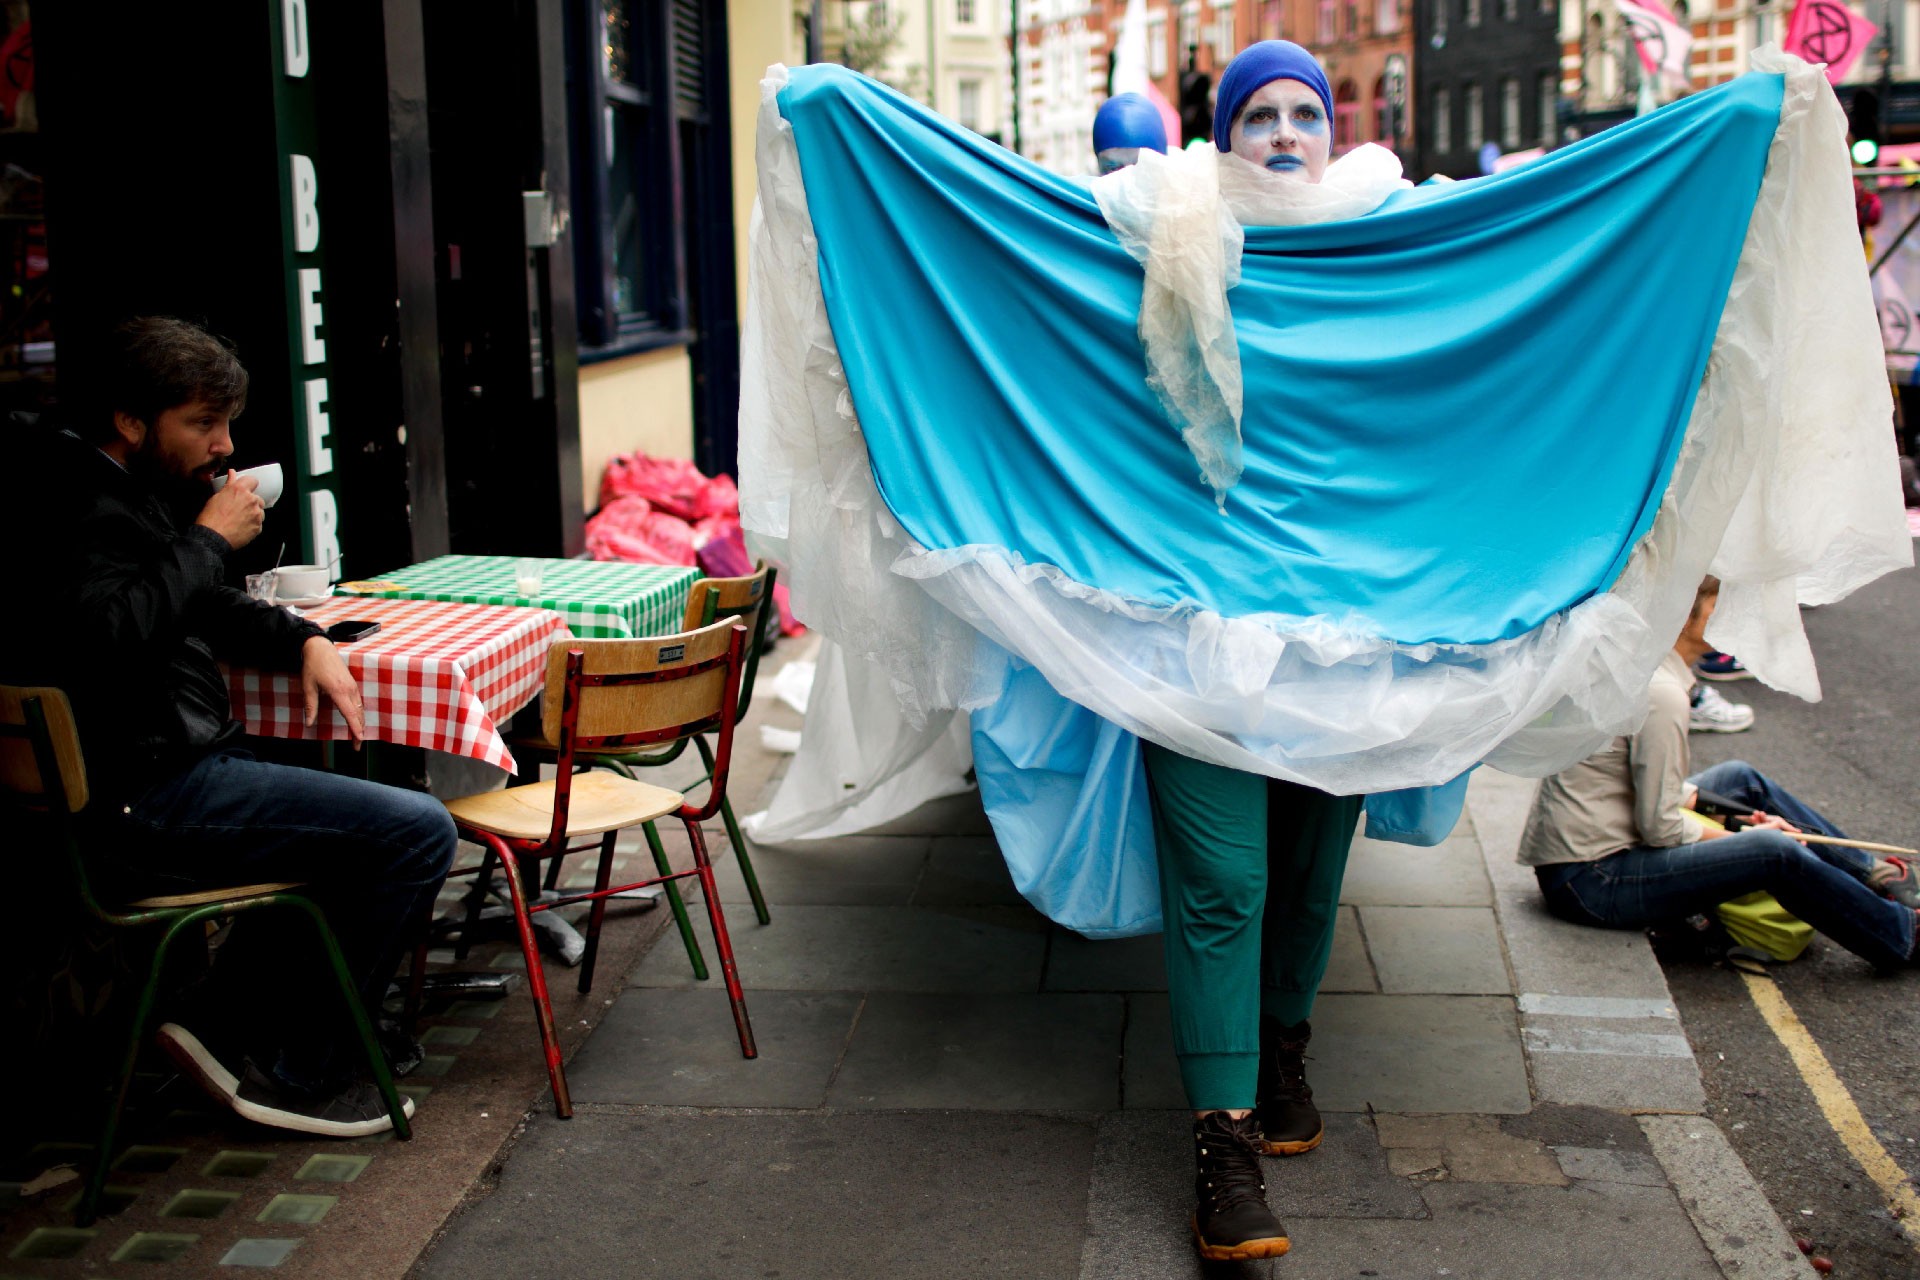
<point x="235" y="511"/>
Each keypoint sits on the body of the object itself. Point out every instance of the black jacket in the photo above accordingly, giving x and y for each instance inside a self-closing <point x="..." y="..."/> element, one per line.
<point x="135" y="611"/>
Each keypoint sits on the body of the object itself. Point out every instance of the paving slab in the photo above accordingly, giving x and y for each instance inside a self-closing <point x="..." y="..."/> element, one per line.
<point x="847" y="871"/>
<point x="1051" y="1052"/>
<point x="1605" y="1164"/>
<point x="966" y="871"/>
<point x="1449" y="874"/>
<point x="721" y="1197"/>
<point x="828" y="948"/>
<point x="668" y="1047"/>
<point x="1349" y="967"/>
<point x="1490" y="1231"/>
<point x="959" y="815"/>
<point x="1390" y="1053"/>
<point x="1075" y="963"/>
<point x="1436" y="950"/>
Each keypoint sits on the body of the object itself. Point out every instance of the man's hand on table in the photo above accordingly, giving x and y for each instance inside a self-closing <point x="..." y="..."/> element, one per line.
<point x="236" y="512"/>
<point x="322" y="671"/>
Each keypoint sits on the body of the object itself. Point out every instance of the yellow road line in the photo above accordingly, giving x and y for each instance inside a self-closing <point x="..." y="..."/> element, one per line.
<point x="1836" y="1103"/>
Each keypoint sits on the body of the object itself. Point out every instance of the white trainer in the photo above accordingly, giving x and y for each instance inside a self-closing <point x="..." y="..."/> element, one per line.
<point x="1714" y="714"/>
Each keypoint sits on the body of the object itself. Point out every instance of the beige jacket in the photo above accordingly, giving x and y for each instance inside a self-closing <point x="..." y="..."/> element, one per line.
<point x="1630" y="792"/>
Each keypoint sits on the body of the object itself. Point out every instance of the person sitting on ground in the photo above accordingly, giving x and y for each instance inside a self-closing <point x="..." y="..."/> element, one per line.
<point x="1611" y="846"/>
<point x="136" y="551"/>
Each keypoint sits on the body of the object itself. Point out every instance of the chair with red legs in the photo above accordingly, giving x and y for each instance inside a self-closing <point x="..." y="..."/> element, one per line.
<point x="604" y="696"/>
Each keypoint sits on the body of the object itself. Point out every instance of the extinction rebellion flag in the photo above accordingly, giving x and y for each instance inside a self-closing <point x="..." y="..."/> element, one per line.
<point x="1827" y="31"/>
<point x="1663" y="44"/>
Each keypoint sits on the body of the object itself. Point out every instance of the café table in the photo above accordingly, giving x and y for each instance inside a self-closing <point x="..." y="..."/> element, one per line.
<point x="436" y="675"/>
<point x="596" y="598"/>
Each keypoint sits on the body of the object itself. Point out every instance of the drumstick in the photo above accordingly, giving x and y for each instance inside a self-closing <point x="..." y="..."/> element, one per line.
<point x="1809" y="838"/>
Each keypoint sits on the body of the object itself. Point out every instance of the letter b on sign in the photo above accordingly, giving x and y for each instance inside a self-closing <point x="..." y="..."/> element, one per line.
<point x="306" y="205"/>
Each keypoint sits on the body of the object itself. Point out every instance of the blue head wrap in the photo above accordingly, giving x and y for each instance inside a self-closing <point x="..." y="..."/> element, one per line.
<point x="1259" y="64"/>
<point x="1129" y="120"/>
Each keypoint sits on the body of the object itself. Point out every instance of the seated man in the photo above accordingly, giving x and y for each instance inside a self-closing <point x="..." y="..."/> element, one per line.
<point x="1610" y="846"/>
<point x="136" y="544"/>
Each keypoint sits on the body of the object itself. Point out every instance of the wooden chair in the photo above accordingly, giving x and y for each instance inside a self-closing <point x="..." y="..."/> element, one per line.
<point x="612" y="696"/>
<point x="746" y="599"/>
<point x="42" y="771"/>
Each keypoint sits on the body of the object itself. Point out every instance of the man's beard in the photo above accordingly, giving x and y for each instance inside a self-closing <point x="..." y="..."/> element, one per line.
<point x="183" y="491"/>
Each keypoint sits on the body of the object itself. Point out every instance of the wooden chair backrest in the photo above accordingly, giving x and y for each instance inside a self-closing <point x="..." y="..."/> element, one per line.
<point x="20" y="772"/>
<point x="670" y="707"/>
<point x="747" y="599"/>
<point x="714" y="598"/>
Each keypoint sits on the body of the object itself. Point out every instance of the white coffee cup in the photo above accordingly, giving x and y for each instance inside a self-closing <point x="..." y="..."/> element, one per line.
<point x="301" y="582"/>
<point x="267" y="476"/>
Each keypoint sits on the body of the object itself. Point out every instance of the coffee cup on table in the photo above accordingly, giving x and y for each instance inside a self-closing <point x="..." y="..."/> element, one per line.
<point x="267" y="476"/>
<point x="301" y="582"/>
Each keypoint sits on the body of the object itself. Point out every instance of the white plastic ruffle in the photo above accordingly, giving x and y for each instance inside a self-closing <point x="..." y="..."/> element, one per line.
<point x="1786" y="487"/>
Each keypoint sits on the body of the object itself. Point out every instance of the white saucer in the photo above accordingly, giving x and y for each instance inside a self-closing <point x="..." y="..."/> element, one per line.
<point x="304" y="602"/>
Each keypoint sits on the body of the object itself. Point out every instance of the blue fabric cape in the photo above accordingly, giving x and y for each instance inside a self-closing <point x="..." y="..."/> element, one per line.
<point x="1461" y="409"/>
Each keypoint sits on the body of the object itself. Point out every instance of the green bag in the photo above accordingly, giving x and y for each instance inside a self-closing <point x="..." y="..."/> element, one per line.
<point x="1759" y="921"/>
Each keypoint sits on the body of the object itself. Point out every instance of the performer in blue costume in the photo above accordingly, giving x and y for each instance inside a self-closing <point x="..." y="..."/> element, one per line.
<point x="1421" y="555"/>
<point x="1250" y="866"/>
<point x="1126" y="125"/>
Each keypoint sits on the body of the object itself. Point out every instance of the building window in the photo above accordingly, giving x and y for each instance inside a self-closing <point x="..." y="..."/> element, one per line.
<point x="1472" y="12"/>
<point x="967" y="111"/>
<point x="1272" y="25"/>
<point x="1509" y="114"/>
<point x="639" y="102"/>
<point x="1346" y="116"/>
<point x="1509" y="10"/>
<point x="1223" y="46"/>
<point x="1157" y="46"/>
<point x="1549" y="108"/>
<point x="963" y="13"/>
<point x="1326" y="28"/>
<point x="1386" y="17"/>
<point x="1440" y="22"/>
<point x="1353" y="19"/>
<point x="1442" y="121"/>
<point x="1476" y="119"/>
<point x="1189" y="28"/>
<point x="1382" y="126"/>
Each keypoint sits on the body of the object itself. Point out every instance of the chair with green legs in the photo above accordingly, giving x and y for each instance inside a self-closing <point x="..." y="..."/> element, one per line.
<point x="746" y="598"/>
<point x="42" y="772"/>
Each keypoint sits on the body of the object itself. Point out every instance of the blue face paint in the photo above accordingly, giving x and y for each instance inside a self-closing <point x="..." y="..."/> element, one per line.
<point x="1280" y="134"/>
<point x="1113" y="159"/>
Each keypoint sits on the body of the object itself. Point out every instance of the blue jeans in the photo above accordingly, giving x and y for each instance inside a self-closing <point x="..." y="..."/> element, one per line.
<point x="1824" y="885"/>
<point x="371" y="856"/>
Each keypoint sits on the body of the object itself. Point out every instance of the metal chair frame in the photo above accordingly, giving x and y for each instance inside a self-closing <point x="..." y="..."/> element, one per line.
<point x="515" y="854"/>
<point x="702" y="611"/>
<point x="178" y="923"/>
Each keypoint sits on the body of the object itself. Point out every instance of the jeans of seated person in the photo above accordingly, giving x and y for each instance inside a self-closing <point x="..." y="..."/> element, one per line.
<point x="1824" y="885"/>
<point x="371" y="856"/>
<point x="1740" y="782"/>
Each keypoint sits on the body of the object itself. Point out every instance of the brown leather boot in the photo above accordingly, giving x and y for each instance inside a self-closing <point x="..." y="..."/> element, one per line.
<point x="1290" y="1124"/>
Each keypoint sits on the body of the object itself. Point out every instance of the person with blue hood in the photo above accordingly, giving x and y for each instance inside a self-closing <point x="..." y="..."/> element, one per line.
<point x="1250" y="866"/>
<point x="1126" y="125"/>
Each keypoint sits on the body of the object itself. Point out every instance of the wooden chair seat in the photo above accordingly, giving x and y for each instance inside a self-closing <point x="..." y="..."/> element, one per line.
<point x="205" y="896"/>
<point x="601" y="802"/>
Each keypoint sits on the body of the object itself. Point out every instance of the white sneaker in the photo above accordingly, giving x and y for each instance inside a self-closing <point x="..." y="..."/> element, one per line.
<point x="1714" y="714"/>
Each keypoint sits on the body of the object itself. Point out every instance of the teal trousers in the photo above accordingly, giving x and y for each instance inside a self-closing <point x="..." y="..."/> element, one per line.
<point x="1250" y="871"/>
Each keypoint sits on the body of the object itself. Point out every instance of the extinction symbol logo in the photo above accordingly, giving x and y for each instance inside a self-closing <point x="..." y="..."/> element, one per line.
<point x="1650" y="38"/>
<point x="1829" y="34"/>
<point x="1896" y="324"/>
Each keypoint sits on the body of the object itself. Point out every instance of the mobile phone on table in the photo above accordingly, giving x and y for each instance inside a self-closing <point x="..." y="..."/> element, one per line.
<point x="349" y="630"/>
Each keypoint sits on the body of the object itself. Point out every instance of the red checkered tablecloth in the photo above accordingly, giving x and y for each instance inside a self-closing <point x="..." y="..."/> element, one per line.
<point x="441" y="676"/>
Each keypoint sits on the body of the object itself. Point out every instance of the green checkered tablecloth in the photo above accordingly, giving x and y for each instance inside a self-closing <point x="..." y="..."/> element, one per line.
<point x="598" y="598"/>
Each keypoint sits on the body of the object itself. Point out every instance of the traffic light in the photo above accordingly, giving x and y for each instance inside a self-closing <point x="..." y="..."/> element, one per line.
<point x="1196" y="112"/>
<point x="1864" y="124"/>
